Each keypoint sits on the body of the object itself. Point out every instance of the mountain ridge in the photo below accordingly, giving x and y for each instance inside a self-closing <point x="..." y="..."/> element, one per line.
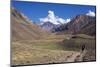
<point x="23" y="28"/>
<point x="80" y="24"/>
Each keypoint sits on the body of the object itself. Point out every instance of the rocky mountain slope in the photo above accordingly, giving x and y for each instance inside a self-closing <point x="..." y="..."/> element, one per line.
<point x="81" y="24"/>
<point x="23" y="28"/>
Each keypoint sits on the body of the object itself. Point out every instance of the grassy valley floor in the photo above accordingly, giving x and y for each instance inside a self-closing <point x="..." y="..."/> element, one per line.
<point x="52" y="49"/>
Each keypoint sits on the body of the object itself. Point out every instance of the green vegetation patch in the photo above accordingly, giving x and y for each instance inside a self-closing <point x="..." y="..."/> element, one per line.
<point x="76" y="43"/>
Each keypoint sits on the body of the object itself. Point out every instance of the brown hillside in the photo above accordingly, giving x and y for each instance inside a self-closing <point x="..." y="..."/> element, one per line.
<point x="23" y="28"/>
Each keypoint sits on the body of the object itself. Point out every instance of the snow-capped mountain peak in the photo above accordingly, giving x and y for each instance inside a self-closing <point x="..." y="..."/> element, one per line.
<point x="53" y="19"/>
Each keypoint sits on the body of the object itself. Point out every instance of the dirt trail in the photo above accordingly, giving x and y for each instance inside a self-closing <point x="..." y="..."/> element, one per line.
<point x="73" y="57"/>
<point x="77" y="57"/>
<point x="80" y="56"/>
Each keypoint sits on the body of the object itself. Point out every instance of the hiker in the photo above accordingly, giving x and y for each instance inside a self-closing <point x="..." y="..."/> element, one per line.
<point x="83" y="47"/>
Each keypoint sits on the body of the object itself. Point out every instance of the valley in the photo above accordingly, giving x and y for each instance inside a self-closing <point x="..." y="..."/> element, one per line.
<point x="50" y="50"/>
<point x="32" y="44"/>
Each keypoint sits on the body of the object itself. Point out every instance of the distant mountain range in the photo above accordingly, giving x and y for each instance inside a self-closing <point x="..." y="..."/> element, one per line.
<point x="80" y="24"/>
<point x="23" y="28"/>
<point x="48" y="26"/>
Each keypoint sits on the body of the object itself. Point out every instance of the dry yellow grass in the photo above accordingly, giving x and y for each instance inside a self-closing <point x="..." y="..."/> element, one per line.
<point x="30" y="55"/>
<point x="47" y="50"/>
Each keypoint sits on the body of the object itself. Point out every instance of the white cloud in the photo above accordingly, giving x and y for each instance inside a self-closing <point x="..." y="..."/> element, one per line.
<point x="44" y="19"/>
<point x="68" y="20"/>
<point x="63" y="21"/>
<point x="60" y="20"/>
<point x="90" y="13"/>
<point x="53" y="18"/>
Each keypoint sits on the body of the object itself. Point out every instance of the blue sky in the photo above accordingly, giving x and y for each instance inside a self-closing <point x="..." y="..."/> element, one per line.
<point x="36" y="10"/>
